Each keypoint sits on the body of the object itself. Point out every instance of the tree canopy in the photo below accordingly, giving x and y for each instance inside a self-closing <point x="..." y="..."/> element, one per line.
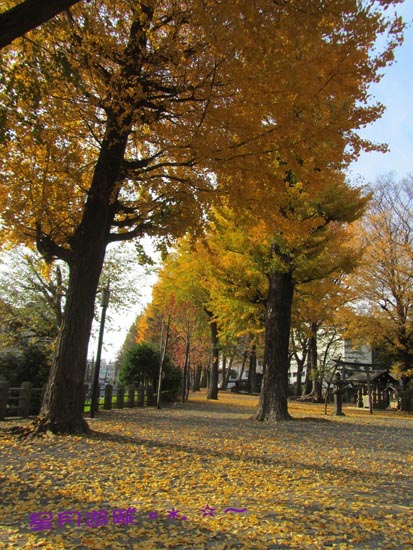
<point x="129" y="118"/>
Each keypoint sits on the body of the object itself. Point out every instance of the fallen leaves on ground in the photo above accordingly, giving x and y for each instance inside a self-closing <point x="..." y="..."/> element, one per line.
<point x="313" y="483"/>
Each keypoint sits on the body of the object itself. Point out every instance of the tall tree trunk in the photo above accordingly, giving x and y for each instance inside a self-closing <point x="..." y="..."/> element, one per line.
<point x="244" y="362"/>
<point x="300" y="369"/>
<point x="229" y="370"/>
<point x="185" y="382"/>
<point x="197" y="377"/>
<point x="300" y="361"/>
<point x="157" y="384"/>
<point x="63" y="401"/>
<point x="204" y="377"/>
<point x="252" y="372"/>
<point x="224" y="373"/>
<point x="403" y="339"/>
<point x="213" y="379"/>
<point x="309" y="373"/>
<point x="273" y="403"/>
<point x="62" y="407"/>
<point x="316" y="390"/>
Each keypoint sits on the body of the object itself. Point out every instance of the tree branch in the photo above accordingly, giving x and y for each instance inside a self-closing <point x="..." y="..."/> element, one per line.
<point x="128" y="235"/>
<point x="27" y="16"/>
<point x="48" y="248"/>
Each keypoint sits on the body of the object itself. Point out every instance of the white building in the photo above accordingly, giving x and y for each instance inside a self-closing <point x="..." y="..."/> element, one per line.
<point x="334" y="349"/>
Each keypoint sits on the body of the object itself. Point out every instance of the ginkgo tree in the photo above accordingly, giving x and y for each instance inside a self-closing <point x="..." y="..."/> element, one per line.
<point x="258" y="263"/>
<point x="103" y="112"/>
<point x="308" y="241"/>
<point x="208" y="289"/>
<point x="125" y="118"/>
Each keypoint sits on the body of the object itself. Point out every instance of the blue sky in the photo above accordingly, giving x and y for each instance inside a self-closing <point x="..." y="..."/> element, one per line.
<point x="395" y="128"/>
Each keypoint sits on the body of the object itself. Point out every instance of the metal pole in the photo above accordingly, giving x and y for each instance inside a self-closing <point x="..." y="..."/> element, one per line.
<point x="95" y="397"/>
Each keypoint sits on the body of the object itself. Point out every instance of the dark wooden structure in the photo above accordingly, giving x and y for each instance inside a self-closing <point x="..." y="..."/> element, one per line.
<point x="383" y="388"/>
<point x="369" y="385"/>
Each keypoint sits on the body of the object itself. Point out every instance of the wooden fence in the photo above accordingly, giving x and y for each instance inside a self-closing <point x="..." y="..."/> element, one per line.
<point x="25" y="401"/>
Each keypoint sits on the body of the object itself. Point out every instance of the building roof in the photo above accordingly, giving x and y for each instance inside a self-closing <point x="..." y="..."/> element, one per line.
<point x="361" y="377"/>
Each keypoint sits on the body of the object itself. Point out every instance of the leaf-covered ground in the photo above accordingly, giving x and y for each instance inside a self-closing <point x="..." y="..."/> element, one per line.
<point x="317" y="482"/>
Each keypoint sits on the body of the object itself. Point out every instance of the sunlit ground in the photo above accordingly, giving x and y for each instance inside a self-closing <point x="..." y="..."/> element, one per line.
<point x="206" y="475"/>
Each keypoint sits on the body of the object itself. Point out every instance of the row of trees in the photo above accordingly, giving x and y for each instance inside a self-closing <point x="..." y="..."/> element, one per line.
<point x="220" y="285"/>
<point x="132" y="117"/>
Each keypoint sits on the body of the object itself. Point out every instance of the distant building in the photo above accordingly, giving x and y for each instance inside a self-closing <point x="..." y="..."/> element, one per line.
<point x="108" y="372"/>
<point x="339" y="348"/>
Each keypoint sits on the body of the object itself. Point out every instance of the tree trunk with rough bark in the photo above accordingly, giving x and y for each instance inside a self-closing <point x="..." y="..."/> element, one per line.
<point x="62" y="407"/>
<point x="197" y="377"/>
<point x="185" y="383"/>
<point x="273" y="403"/>
<point x="300" y="361"/>
<point x="204" y="377"/>
<point x="316" y="389"/>
<point x="224" y="373"/>
<point x="63" y="402"/>
<point x="308" y="382"/>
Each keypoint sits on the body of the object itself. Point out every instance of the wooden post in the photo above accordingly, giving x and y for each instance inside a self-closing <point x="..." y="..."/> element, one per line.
<point x="85" y="394"/>
<point x="108" y="397"/>
<point x="369" y="390"/>
<point x="141" y="395"/>
<point x="120" y="397"/>
<point x="360" y="398"/>
<point x="4" y="394"/>
<point x="150" y="397"/>
<point x="23" y="408"/>
<point x="131" y="396"/>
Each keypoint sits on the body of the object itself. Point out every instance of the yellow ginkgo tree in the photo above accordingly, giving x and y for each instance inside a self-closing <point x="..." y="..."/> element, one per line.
<point x="258" y="263"/>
